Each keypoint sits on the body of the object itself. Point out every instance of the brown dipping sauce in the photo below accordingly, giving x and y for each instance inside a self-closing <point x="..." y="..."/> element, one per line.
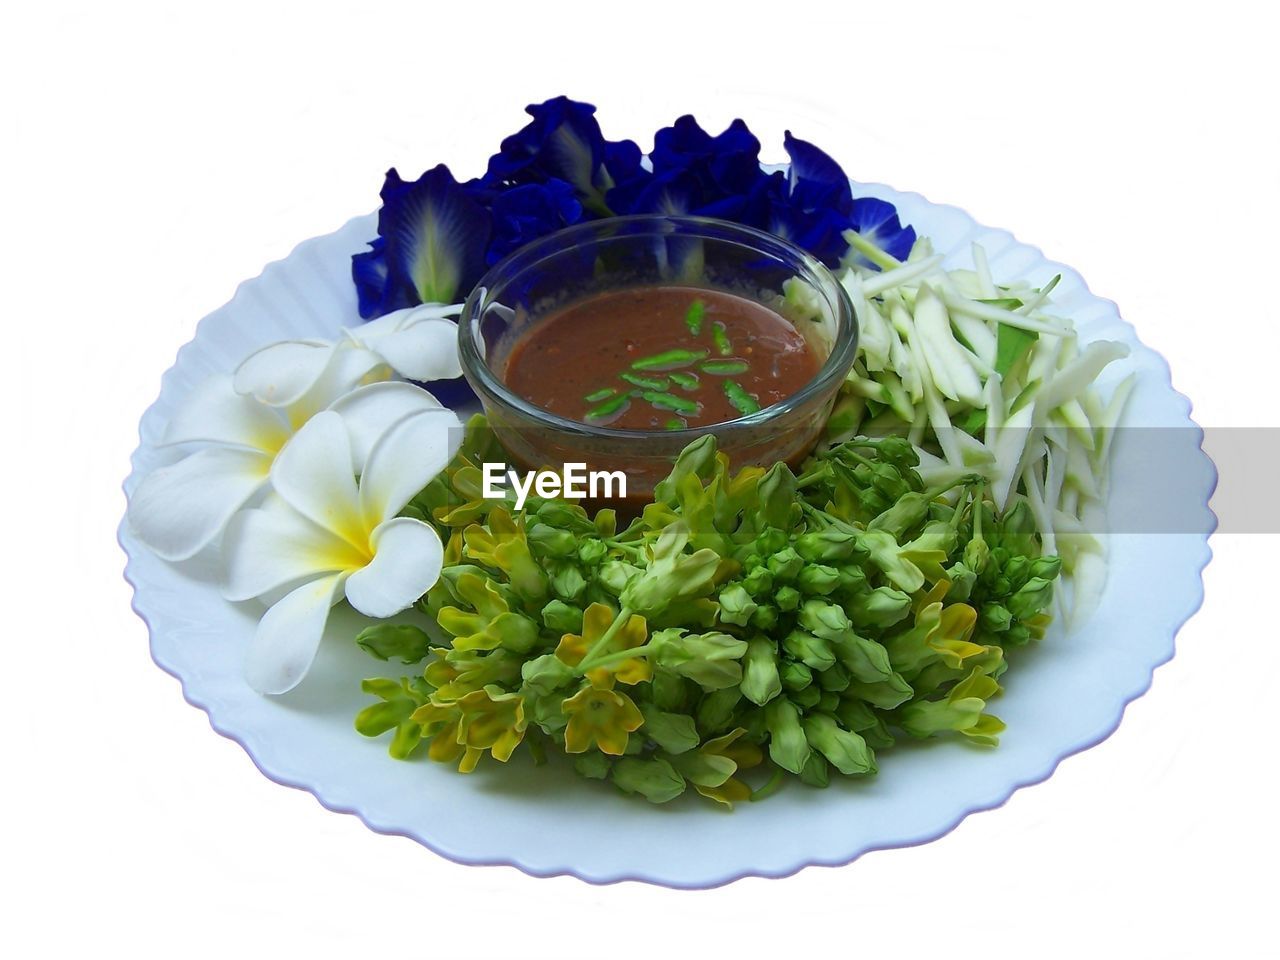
<point x="653" y="358"/>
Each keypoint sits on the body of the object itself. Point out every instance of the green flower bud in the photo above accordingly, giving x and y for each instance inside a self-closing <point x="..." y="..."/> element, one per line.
<point x="559" y="617"/>
<point x="813" y="652"/>
<point x="673" y="732"/>
<point x="885" y="694"/>
<point x="760" y="679"/>
<point x="816" y="772"/>
<point x="668" y="690"/>
<point x="962" y="581"/>
<point x="828" y="700"/>
<point x="405" y="642"/>
<point x="824" y="619"/>
<point x="567" y="581"/>
<point x="1034" y="596"/>
<point x="833" y="679"/>
<point x="566" y="516"/>
<point x="882" y="607"/>
<point x="1018" y="569"/>
<point x="765" y="618"/>
<point x="1016" y="635"/>
<point x="770" y="541"/>
<point x="976" y="554"/>
<point x="708" y="659"/>
<point x="855" y="715"/>
<point x="544" y="674"/>
<point x="795" y="675"/>
<point x="777" y="495"/>
<point x="807" y="698"/>
<point x="758" y="582"/>
<point x="788" y="747"/>
<point x="716" y="712"/>
<point x="865" y="659"/>
<point x="698" y="459"/>
<point x="1046" y="568"/>
<point x="909" y="511"/>
<point x="898" y="451"/>
<point x="829" y="544"/>
<point x="818" y="578"/>
<point x="995" y="617"/>
<point x="736" y="605"/>
<point x="593" y="765"/>
<point x="1018" y="529"/>
<point x="591" y="552"/>
<point x="787" y="598"/>
<point x="785" y="565"/>
<point x="614" y="575"/>
<point x="852" y="578"/>
<point x="846" y="751"/>
<point x="548" y="541"/>
<point x="655" y="780"/>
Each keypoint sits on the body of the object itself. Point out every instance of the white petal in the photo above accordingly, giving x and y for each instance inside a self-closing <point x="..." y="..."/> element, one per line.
<point x="179" y="509"/>
<point x="350" y="366"/>
<point x="214" y="413"/>
<point x="273" y="547"/>
<point x="280" y="373"/>
<point x="407" y="557"/>
<point x="370" y="411"/>
<point x="422" y="346"/>
<point x="399" y="319"/>
<point x="288" y="636"/>
<point x="313" y="475"/>
<point x="405" y="459"/>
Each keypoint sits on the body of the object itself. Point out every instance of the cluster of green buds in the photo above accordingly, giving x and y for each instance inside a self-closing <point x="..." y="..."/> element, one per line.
<point x="745" y="621"/>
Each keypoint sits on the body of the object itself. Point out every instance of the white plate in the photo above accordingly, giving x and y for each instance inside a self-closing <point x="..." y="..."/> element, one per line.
<point x="1063" y="695"/>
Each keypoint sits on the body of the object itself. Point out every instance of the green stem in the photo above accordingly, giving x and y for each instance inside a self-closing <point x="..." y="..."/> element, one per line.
<point x="623" y="615"/>
<point x="609" y="659"/>
<point x="813" y="476"/>
<point x="770" y="786"/>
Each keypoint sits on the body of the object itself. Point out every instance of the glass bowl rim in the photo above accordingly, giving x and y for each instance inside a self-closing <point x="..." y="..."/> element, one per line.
<point x="834" y="368"/>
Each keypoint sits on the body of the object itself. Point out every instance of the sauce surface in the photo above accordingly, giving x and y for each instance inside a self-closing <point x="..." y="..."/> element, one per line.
<point x="654" y="358"/>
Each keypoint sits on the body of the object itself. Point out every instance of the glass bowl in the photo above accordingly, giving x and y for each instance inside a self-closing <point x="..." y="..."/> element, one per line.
<point x="591" y="258"/>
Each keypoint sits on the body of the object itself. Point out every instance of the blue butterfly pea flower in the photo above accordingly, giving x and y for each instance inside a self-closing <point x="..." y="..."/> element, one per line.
<point x="725" y="165"/>
<point x="564" y="142"/>
<point x="432" y="236"/>
<point x="814" y="180"/>
<point x="877" y="221"/>
<point x="373" y="292"/>
<point x="530" y="211"/>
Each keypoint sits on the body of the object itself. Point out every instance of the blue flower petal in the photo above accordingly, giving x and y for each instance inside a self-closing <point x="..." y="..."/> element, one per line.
<point x="563" y="141"/>
<point x="815" y="180"/>
<point x="435" y="236"/>
<point x="375" y="294"/>
<point x="877" y="221"/>
<point x="821" y="232"/>
<point x="525" y="213"/>
<point x="726" y="165"/>
<point x="622" y="162"/>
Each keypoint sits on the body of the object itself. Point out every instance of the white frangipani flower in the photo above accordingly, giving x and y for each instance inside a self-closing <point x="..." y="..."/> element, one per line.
<point x="179" y="509"/>
<point x="326" y="536"/>
<point x="418" y="343"/>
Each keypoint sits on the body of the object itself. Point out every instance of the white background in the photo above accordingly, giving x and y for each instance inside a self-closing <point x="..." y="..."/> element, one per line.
<point x="153" y="157"/>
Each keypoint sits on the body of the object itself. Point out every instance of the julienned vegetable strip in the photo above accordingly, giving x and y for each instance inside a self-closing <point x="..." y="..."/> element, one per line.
<point x="943" y="349"/>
